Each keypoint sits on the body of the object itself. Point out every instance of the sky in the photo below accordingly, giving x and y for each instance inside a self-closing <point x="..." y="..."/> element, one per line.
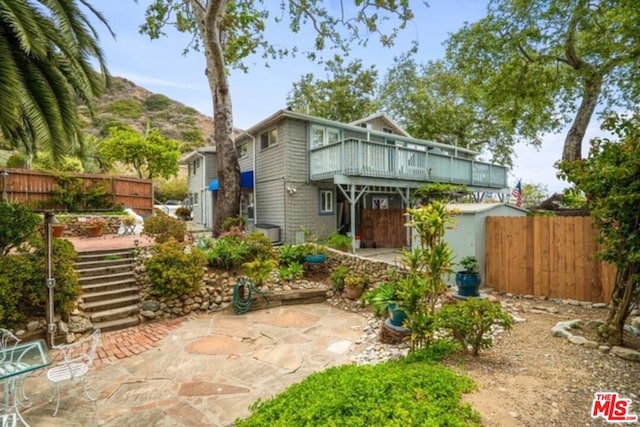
<point x="159" y="66"/>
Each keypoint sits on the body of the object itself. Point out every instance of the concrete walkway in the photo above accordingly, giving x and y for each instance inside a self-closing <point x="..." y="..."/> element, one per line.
<point x="204" y="370"/>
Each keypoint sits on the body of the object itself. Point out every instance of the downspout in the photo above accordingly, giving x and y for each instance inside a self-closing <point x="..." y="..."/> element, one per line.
<point x="203" y="209"/>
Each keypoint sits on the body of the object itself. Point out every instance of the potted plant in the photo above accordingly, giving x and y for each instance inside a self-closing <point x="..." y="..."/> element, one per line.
<point x="468" y="279"/>
<point x="314" y="253"/>
<point x="96" y="226"/>
<point x="184" y="213"/>
<point x="384" y="300"/>
<point x="354" y="284"/>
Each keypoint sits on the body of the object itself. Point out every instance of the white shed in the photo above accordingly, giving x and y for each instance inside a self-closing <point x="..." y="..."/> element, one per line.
<point x="468" y="237"/>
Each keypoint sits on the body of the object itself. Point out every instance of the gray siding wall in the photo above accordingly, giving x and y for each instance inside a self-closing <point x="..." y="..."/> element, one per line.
<point x="270" y="185"/>
<point x="246" y="162"/>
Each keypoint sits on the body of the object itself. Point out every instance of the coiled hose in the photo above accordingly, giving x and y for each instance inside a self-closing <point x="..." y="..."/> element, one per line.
<point x="243" y="293"/>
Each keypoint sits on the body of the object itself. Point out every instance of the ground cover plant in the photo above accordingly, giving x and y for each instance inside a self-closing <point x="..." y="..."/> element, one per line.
<point x="408" y="392"/>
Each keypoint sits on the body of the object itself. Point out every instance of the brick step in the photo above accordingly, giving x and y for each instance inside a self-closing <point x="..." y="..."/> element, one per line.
<point x="90" y="288"/>
<point x="105" y="295"/>
<point x="94" y="307"/>
<point x="117" y="324"/>
<point x="107" y="278"/>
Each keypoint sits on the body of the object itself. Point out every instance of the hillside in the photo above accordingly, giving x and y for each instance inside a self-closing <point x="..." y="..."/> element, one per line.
<point x="126" y="104"/>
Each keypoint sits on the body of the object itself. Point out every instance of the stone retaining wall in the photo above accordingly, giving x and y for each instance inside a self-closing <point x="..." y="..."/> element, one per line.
<point x="216" y="292"/>
<point x="76" y="225"/>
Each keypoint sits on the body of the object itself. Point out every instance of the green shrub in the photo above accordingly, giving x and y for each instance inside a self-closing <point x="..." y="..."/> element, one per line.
<point x="156" y="102"/>
<point x="16" y="161"/>
<point x="18" y="224"/>
<point x="22" y="281"/>
<point x="129" y="108"/>
<point x="394" y="393"/>
<point x="162" y="227"/>
<point x="338" y="241"/>
<point x="234" y="222"/>
<point x="338" y="276"/>
<point x="471" y="320"/>
<point x="228" y="253"/>
<point x="259" y="270"/>
<point x="193" y="136"/>
<point x="293" y="271"/>
<point x="173" y="271"/>
<point x="291" y="254"/>
<point x="259" y="246"/>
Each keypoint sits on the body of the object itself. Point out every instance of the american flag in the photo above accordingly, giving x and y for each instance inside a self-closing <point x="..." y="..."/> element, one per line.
<point x="517" y="193"/>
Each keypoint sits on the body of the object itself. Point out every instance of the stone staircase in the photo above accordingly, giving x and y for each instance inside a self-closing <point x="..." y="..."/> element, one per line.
<point x="110" y="294"/>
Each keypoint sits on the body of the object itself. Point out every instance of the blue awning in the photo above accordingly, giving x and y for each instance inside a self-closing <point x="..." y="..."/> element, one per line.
<point x="246" y="181"/>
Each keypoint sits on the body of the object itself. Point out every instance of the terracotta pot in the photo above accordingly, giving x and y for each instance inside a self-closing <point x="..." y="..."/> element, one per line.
<point x="94" y="231"/>
<point x="353" y="293"/>
<point x="58" y="230"/>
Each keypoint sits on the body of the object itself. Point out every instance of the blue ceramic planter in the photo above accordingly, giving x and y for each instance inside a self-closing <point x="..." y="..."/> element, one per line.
<point x="315" y="259"/>
<point x="396" y="317"/>
<point x="468" y="284"/>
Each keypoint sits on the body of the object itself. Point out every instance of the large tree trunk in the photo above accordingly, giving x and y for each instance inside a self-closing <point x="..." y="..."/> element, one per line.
<point x="228" y="197"/>
<point x="620" y="305"/>
<point x="573" y="142"/>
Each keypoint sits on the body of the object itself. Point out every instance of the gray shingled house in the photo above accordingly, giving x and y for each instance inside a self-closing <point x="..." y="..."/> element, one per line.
<point x="299" y="171"/>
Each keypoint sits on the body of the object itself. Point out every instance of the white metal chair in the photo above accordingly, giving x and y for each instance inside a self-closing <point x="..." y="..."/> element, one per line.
<point x="77" y="360"/>
<point x="8" y="340"/>
<point x="8" y="420"/>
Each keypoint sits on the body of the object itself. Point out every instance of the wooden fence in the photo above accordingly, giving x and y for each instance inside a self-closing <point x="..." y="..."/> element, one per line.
<point x="546" y="256"/>
<point x="38" y="189"/>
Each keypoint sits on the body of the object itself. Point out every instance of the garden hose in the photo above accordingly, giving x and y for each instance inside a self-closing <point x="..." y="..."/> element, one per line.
<point x="243" y="293"/>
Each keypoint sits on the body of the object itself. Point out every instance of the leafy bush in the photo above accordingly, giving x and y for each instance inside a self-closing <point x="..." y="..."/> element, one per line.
<point x="129" y="108"/>
<point x="338" y="276"/>
<point x="16" y="161"/>
<point x="22" y="287"/>
<point x="338" y="241"/>
<point x="173" y="271"/>
<point x="259" y="246"/>
<point x="232" y="222"/>
<point x="228" y="253"/>
<point x="293" y="271"/>
<point x="469" y="322"/>
<point x="380" y="297"/>
<point x="291" y="254"/>
<point x="162" y="227"/>
<point x="394" y="393"/>
<point x="156" y="102"/>
<point x="260" y="269"/>
<point x="18" y="224"/>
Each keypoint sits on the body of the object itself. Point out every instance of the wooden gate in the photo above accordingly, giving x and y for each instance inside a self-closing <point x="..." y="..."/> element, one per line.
<point x="547" y="256"/>
<point x="382" y="227"/>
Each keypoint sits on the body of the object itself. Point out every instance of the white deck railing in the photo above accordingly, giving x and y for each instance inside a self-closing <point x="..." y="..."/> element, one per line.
<point x="356" y="157"/>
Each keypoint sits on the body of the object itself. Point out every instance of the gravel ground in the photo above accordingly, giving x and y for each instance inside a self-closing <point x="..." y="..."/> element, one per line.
<point x="530" y="378"/>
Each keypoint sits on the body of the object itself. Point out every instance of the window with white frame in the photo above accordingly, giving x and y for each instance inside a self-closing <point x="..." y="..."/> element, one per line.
<point x="321" y="136"/>
<point x="195" y="198"/>
<point x="269" y="138"/>
<point x="243" y="150"/>
<point x="326" y="202"/>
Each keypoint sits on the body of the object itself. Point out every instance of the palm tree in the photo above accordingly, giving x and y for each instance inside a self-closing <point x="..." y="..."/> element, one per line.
<point x="46" y="51"/>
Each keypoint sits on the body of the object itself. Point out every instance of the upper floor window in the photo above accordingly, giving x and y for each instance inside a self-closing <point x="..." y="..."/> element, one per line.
<point x="243" y="150"/>
<point x="387" y="130"/>
<point x="269" y="138"/>
<point x="321" y="135"/>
